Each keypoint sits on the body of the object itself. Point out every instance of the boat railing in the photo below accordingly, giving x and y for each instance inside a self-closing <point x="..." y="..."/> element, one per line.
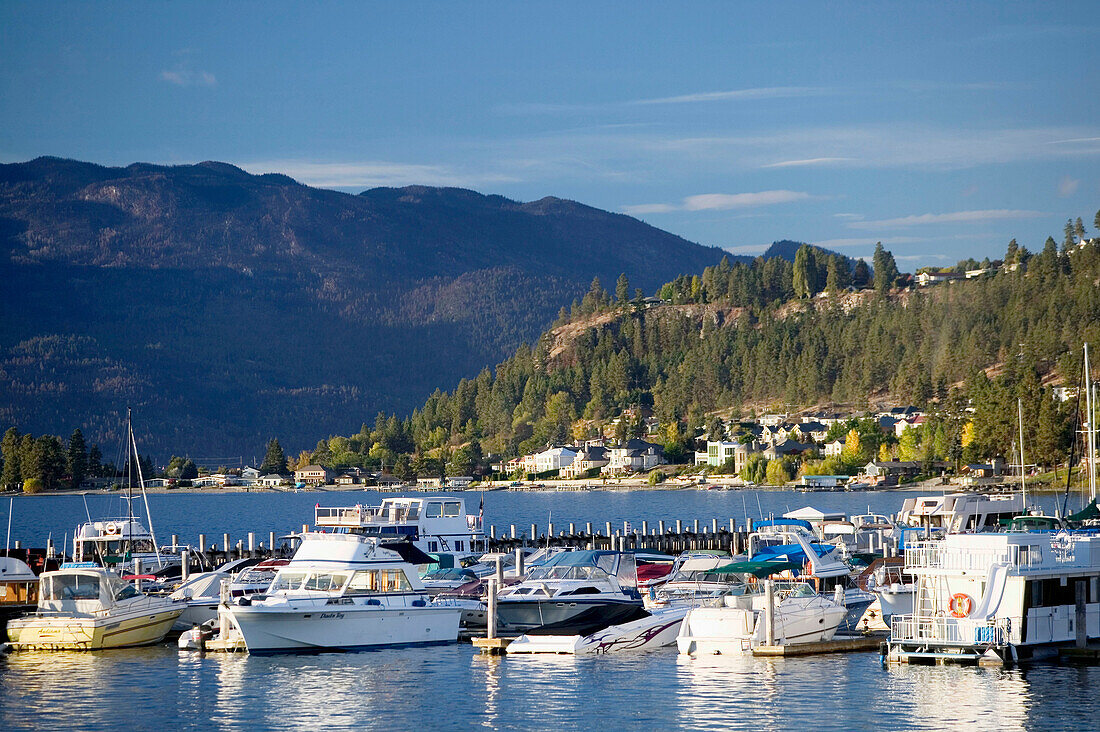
<point x="1061" y="552"/>
<point x="363" y="515"/>
<point x="950" y="631"/>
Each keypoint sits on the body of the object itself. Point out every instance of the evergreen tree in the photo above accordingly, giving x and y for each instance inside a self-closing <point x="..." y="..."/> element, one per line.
<point x="805" y="272"/>
<point x="12" y="476"/>
<point x="78" y="459"/>
<point x="622" y="289"/>
<point x="95" y="462"/>
<point x="274" y="458"/>
<point x="861" y="275"/>
<point x="886" y="270"/>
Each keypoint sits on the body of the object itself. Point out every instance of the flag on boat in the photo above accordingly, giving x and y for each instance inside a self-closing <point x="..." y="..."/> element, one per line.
<point x="481" y="511"/>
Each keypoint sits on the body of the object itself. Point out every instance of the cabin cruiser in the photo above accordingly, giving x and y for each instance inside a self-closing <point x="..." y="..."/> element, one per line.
<point x="574" y="592"/>
<point x="343" y="591"/>
<point x="955" y="513"/>
<point x="739" y="622"/>
<point x="83" y="606"/>
<point x="999" y="597"/>
<point x="432" y="523"/>
<point x="694" y="579"/>
<point x="18" y="589"/>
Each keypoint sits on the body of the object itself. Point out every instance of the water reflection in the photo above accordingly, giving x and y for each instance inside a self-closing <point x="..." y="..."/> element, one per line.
<point x="453" y="687"/>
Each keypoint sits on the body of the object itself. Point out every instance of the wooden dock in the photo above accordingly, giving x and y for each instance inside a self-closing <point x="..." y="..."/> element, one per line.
<point x="840" y="644"/>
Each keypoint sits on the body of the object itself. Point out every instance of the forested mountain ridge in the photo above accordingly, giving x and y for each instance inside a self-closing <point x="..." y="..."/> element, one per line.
<point x="226" y="307"/>
<point x="737" y="337"/>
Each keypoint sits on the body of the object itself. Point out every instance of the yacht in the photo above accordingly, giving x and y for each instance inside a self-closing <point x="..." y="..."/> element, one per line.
<point x="343" y="591"/>
<point x="432" y="523"/>
<point x="955" y="513"/>
<point x="737" y="622"/>
<point x="83" y="606"/>
<point x="18" y="589"/>
<point x="999" y="598"/>
<point x="574" y="592"/>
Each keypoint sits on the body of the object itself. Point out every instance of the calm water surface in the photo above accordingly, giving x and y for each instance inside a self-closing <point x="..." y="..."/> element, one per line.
<point x="451" y="687"/>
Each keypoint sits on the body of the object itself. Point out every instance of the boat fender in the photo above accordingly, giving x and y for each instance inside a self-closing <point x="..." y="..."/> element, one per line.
<point x="960" y="605"/>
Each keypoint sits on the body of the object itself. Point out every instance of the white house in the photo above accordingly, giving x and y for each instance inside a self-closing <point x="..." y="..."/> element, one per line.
<point x="272" y="480"/>
<point x="719" y="452"/>
<point x="589" y="458"/>
<point x="250" y="474"/>
<point x="834" y="448"/>
<point x="554" y="458"/>
<point x="634" y="456"/>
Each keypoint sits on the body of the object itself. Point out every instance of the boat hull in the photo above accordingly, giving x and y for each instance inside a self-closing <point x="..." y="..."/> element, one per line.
<point x="348" y="628"/>
<point x="45" y="632"/>
<point x="572" y="617"/>
<point x="725" y="630"/>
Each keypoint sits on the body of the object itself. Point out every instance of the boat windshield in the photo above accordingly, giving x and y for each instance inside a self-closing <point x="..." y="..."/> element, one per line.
<point x="372" y="581"/>
<point x="311" y="581"/>
<point x="559" y="572"/>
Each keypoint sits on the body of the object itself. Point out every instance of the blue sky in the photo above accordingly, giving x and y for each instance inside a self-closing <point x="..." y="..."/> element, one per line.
<point x="941" y="129"/>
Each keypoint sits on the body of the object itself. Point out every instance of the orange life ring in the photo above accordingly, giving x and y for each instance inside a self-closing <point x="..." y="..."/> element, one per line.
<point x="960" y="605"/>
<point x="111" y="528"/>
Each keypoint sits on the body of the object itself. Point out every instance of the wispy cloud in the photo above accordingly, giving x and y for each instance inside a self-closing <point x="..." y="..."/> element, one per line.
<point x="954" y="217"/>
<point x="807" y="162"/>
<point x="771" y="92"/>
<point x="865" y="242"/>
<point x="375" y="173"/>
<point x="731" y="95"/>
<point x="186" y="77"/>
<point x="721" y="202"/>
<point x="1068" y="186"/>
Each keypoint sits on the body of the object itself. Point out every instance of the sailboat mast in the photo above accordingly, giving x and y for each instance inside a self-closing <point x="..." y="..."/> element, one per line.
<point x="1023" y="482"/>
<point x="1090" y="428"/>
<point x="129" y="480"/>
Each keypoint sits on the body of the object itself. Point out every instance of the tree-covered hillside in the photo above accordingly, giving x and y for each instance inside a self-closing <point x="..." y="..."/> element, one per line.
<point x="740" y="337"/>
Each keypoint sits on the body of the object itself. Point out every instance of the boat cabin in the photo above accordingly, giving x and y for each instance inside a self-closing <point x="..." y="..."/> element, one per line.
<point x="18" y="583"/>
<point x="434" y="523"/>
<point x="957" y="513"/>
<point x="82" y="588"/>
<point x="114" y="542"/>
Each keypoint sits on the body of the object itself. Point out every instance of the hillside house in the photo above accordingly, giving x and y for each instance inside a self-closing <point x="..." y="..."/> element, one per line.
<point x="554" y="458"/>
<point x="719" y="452"/>
<point x="834" y="448"/>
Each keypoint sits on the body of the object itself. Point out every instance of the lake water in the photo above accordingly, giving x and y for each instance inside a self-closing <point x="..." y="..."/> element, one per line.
<point x="452" y="687"/>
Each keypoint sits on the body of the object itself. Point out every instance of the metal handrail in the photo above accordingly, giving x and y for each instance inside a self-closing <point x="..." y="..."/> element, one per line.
<point x="950" y="631"/>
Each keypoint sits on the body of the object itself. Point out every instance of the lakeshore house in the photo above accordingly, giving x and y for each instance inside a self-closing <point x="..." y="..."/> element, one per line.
<point x="313" y="475"/>
<point x="589" y="458"/>
<point x="633" y="456"/>
<point x="721" y="451"/>
<point x="272" y="480"/>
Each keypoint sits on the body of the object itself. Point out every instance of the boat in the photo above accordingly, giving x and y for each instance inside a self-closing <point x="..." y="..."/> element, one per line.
<point x="573" y="593"/>
<point x="256" y="578"/>
<point x="694" y="579"/>
<point x="18" y="589"/>
<point x="658" y="629"/>
<point x="123" y="542"/>
<point x="999" y="598"/>
<point x="202" y="593"/>
<point x="954" y="513"/>
<point x="83" y="606"/>
<point x="343" y="592"/>
<point x="739" y="621"/>
<point x="432" y="523"/>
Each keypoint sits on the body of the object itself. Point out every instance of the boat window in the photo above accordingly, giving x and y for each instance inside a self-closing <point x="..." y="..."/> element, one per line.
<point x="363" y="581"/>
<point x="73" y="587"/>
<point x="393" y="580"/>
<point x="606" y="562"/>
<point x="125" y="593"/>
<point x="326" y="581"/>
<point x="433" y="510"/>
<point x="458" y="546"/>
<point x="287" y="581"/>
<point x="452" y="508"/>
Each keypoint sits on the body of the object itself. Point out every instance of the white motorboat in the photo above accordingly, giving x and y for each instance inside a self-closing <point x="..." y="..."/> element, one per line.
<point x="574" y="592"/>
<point x="694" y="580"/>
<point x="343" y="592"/>
<point x="85" y="607"/>
<point x="203" y="594"/>
<point x="739" y="622"/>
<point x="659" y="629"/>
<point x="432" y="523"/>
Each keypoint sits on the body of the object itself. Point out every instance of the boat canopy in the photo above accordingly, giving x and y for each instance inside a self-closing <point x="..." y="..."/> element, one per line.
<point x="784" y="522"/>
<point x="758" y="569"/>
<point x="1088" y="512"/>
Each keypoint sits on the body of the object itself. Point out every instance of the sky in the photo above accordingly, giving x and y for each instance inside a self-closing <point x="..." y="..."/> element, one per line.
<point x="941" y="129"/>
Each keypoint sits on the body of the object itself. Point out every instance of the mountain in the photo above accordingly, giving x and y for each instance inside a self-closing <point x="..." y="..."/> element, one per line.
<point x="226" y="307"/>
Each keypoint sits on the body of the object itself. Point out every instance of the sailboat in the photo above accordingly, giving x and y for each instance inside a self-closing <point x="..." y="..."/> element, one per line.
<point x="123" y="543"/>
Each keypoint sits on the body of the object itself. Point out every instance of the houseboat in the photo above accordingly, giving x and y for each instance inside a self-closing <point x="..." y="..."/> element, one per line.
<point x="999" y="598"/>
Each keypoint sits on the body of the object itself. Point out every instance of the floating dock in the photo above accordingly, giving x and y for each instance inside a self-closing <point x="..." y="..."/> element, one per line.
<point x="839" y="644"/>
